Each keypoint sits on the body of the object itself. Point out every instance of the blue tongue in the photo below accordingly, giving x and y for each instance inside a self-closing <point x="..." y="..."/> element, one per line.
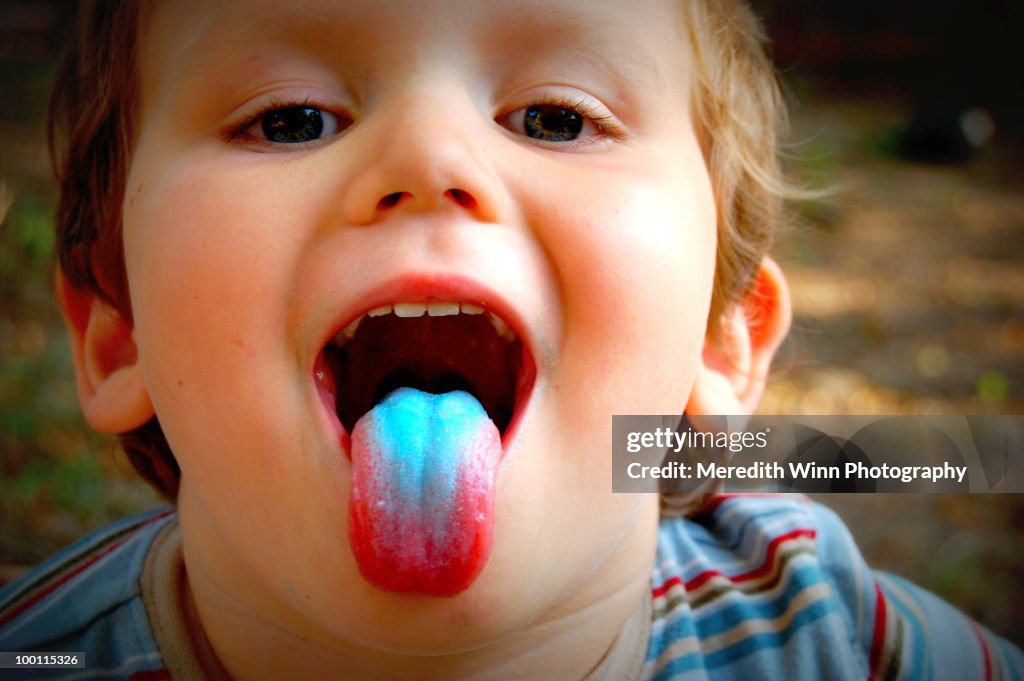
<point x="423" y="470"/>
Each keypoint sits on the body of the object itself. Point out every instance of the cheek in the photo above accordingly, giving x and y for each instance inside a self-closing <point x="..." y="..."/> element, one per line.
<point x="196" y="264"/>
<point x="633" y="251"/>
<point x="212" y="267"/>
<point x="637" y="266"/>
<point x="207" y="272"/>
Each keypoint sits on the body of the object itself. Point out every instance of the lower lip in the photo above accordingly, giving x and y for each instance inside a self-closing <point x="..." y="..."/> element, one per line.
<point x="323" y="382"/>
<point x="525" y="383"/>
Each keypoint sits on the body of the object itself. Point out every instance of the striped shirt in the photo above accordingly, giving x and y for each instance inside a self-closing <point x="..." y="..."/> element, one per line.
<point x="88" y="598"/>
<point x="773" y="587"/>
<point x="755" y="587"/>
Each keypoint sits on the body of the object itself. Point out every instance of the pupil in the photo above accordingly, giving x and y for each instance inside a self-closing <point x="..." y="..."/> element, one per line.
<point x="293" y="125"/>
<point x="553" y="123"/>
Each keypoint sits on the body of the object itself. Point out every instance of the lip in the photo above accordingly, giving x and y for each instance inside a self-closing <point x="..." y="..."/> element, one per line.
<point x="426" y="288"/>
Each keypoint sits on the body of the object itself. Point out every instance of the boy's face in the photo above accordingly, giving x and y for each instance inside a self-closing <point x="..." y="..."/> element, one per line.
<point x="411" y="166"/>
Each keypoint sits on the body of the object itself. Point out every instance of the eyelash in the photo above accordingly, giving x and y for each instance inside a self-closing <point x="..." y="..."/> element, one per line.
<point x="605" y="124"/>
<point x="239" y="132"/>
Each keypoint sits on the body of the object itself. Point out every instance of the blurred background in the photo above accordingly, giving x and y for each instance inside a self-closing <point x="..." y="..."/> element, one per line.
<point x="908" y="280"/>
<point x="907" y="277"/>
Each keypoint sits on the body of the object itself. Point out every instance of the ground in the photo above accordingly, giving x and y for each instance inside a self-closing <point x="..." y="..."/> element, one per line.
<point x="908" y="292"/>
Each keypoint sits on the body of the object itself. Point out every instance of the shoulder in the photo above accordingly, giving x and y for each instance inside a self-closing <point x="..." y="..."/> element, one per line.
<point x="744" y="589"/>
<point x="773" y="586"/>
<point x="88" y="598"/>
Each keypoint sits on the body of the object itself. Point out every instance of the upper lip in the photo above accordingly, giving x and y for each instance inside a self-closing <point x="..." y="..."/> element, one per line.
<point x="432" y="288"/>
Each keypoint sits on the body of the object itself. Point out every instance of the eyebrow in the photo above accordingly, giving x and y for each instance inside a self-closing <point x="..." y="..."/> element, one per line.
<point x="200" y="56"/>
<point x="583" y="40"/>
<point x="586" y="36"/>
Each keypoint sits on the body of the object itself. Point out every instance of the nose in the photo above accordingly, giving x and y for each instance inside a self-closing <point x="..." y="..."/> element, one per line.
<point x="423" y="154"/>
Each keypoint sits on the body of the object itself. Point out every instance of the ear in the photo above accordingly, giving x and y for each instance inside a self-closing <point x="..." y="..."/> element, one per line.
<point x="734" y="366"/>
<point x="111" y="388"/>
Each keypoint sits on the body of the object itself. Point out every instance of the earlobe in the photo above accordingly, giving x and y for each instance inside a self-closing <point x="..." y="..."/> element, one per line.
<point x="735" y="363"/>
<point x="111" y="388"/>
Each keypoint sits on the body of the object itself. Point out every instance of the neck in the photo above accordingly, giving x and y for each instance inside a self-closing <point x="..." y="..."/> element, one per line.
<point x="569" y="647"/>
<point x="260" y="639"/>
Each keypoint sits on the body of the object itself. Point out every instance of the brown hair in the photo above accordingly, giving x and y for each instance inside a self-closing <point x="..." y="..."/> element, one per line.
<point x="90" y="132"/>
<point x="737" y="110"/>
<point x="739" y="115"/>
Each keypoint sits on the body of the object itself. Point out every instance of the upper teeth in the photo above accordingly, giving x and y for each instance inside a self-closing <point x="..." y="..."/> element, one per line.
<point x="440" y="309"/>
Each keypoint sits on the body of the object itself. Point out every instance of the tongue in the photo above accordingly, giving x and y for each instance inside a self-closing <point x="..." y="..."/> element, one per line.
<point x="421" y="515"/>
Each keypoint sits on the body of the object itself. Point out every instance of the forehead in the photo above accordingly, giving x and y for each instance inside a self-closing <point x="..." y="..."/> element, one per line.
<point x="640" y="41"/>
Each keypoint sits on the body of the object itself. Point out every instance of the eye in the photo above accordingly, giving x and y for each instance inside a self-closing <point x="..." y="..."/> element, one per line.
<point x="297" y="124"/>
<point x="292" y="124"/>
<point x="552" y="123"/>
<point x="562" y="122"/>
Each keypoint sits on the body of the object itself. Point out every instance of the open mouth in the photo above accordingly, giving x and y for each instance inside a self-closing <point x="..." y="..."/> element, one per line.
<point x="436" y="347"/>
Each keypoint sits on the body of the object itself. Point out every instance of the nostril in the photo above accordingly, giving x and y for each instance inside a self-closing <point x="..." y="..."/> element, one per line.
<point x="390" y="201"/>
<point x="463" y="198"/>
<point x="459" y="196"/>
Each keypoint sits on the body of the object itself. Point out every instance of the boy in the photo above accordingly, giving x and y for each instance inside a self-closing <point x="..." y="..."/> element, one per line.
<point x="368" y="270"/>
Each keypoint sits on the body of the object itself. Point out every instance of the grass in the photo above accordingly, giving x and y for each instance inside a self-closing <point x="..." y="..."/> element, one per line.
<point x="58" y="479"/>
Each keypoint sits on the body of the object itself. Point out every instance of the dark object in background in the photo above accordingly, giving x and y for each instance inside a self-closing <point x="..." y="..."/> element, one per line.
<point x="946" y="137"/>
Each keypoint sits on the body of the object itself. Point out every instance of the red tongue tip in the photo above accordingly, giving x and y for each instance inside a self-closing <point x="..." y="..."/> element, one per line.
<point x="421" y="514"/>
